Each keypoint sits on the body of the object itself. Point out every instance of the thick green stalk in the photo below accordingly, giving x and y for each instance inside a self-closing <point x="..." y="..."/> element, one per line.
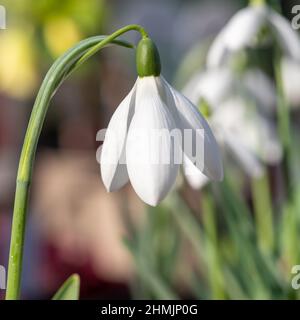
<point x="55" y="76"/>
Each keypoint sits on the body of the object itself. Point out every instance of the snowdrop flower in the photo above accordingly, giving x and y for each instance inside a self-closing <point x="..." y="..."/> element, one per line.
<point x="245" y="25"/>
<point x="153" y="105"/>
<point x="216" y="85"/>
<point x="240" y="126"/>
<point x="249" y="135"/>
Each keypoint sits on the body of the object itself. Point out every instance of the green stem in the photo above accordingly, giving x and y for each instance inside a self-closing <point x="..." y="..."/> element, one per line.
<point x="215" y="272"/>
<point x="263" y="213"/>
<point x="61" y="68"/>
<point x="284" y="125"/>
<point x="110" y="38"/>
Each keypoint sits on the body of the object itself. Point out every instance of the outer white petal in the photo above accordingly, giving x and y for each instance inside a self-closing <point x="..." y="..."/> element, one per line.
<point x="290" y="71"/>
<point x="193" y="175"/>
<point x="113" y="163"/>
<point x="251" y="131"/>
<point x="150" y="159"/>
<point x="214" y="85"/>
<point x="237" y="34"/>
<point x="286" y="36"/>
<point x="243" y="27"/>
<point x="217" y="52"/>
<point x="192" y="121"/>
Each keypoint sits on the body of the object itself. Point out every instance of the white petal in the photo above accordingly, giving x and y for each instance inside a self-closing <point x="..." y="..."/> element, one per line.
<point x="150" y="157"/>
<point x="217" y="52"/>
<point x="214" y="85"/>
<point x="260" y="86"/>
<point x="243" y="27"/>
<point x="246" y="158"/>
<point x="236" y="35"/>
<point x="290" y="71"/>
<point x="252" y="131"/>
<point x="193" y="175"/>
<point x="191" y="121"/>
<point x="113" y="163"/>
<point x="287" y="37"/>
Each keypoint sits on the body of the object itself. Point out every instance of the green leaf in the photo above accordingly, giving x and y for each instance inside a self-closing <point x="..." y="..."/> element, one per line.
<point x="69" y="290"/>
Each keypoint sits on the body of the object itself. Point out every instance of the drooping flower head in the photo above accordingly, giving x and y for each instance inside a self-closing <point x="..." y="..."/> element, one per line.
<point x="151" y="131"/>
<point x="239" y="116"/>
<point x="244" y="27"/>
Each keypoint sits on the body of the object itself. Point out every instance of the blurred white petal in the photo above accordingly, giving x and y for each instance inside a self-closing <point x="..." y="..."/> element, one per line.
<point x="260" y="86"/>
<point x="252" y="131"/>
<point x="147" y="156"/>
<point x="243" y="27"/>
<point x="244" y="156"/>
<point x="290" y="79"/>
<point x="191" y="120"/>
<point x="213" y="85"/>
<point x="237" y="34"/>
<point x="113" y="164"/>
<point x="287" y="37"/>
<point x="217" y="52"/>
<point x="195" y="178"/>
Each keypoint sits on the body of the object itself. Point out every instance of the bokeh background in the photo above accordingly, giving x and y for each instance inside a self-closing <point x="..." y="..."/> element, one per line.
<point x="198" y="243"/>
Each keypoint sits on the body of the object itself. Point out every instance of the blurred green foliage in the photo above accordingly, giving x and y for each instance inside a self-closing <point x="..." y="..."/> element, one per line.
<point x="38" y="32"/>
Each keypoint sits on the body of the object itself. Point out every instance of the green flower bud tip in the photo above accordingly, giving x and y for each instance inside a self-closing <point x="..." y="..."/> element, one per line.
<point x="257" y="2"/>
<point x="147" y="58"/>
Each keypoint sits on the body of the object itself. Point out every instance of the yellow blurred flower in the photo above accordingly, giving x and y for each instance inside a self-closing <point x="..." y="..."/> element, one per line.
<point x="60" y="34"/>
<point x="17" y="68"/>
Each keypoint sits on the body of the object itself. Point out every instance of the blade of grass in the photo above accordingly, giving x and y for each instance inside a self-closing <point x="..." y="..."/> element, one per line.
<point x="263" y="213"/>
<point x="155" y="283"/>
<point x="69" y="290"/>
<point x="215" y="272"/>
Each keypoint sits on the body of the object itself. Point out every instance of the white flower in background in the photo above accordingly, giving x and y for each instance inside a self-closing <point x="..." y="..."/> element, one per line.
<point x="153" y="105"/>
<point x="238" y="117"/>
<point x="218" y="84"/>
<point x="248" y="134"/>
<point x="242" y="29"/>
<point x="214" y="85"/>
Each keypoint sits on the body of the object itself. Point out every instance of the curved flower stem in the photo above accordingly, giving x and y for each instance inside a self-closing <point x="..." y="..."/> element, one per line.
<point x="61" y="68"/>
